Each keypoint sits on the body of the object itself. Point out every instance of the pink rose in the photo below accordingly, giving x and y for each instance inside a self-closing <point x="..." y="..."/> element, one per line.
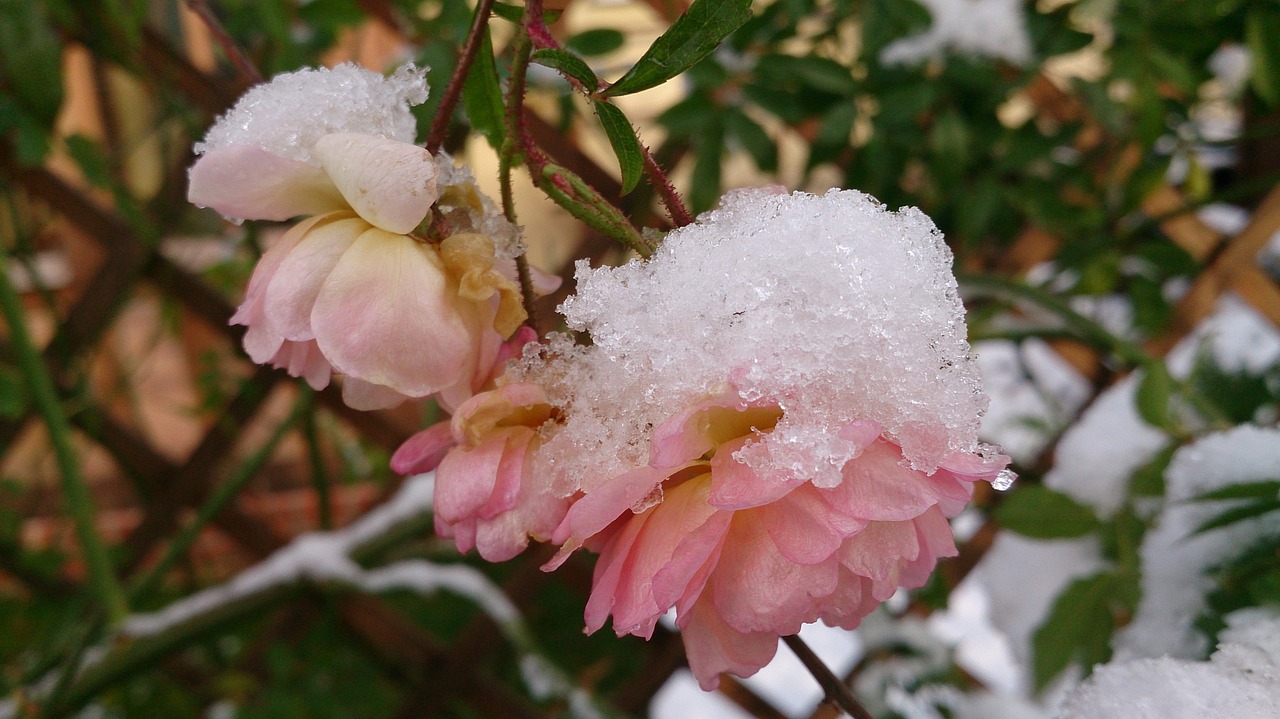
<point x="746" y="558"/>
<point x="486" y="496"/>
<point x="348" y="288"/>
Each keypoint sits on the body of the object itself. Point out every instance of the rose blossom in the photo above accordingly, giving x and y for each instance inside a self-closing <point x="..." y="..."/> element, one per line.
<point x="745" y="558"/>
<point x="355" y="287"/>
<point x="486" y="496"/>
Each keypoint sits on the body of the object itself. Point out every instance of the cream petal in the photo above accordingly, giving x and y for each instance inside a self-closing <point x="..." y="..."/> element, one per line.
<point x="367" y="396"/>
<point x="390" y="184"/>
<point x="387" y="315"/>
<point x="249" y="183"/>
<point x="293" y="288"/>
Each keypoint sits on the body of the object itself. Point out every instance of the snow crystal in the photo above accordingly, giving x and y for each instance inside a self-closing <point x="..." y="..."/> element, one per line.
<point x="1175" y="559"/>
<point x="1168" y="688"/>
<point x="1231" y="65"/>
<point x="1033" y="391"/>
<point x="983" y="28"/>
<point x="288" y="114"/>
<point x="832" y="307"/>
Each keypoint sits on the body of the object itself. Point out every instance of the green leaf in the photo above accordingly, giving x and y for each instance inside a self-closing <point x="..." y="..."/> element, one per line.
<point x="1154" y="392"/>
<point x="599" y="41"/>
<point x="689" y="39"/>
<point x="30" y="60"/>
<point x="753" y="139"/>
<point x="1078" y="629"/>
<point x="1269" y="489"/>
<point x="13" y="393"/>
<point x="1239" y="514"/>
<point x="1148" y="480"/>
<point x="92" y="160"/>
<point x="625" y="143"/>
<point x="568" y="64"/>
<point x="1041" y="513"/>
<point x="1262" y="35"/>
<point x="482" y="95"/>
<point x="705" y="183"/>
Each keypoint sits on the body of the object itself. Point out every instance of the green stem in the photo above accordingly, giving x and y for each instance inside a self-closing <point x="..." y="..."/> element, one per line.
<point x="79" y="503"/>
<point x="319" y="477"/>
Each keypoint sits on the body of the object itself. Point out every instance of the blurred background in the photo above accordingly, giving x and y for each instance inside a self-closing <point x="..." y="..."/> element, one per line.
<point x="1104" y="170"/>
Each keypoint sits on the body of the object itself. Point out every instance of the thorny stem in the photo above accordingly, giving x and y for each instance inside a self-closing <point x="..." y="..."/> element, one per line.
<point x="836" y="691"/>
<point x="237" y="57"/>
<point x="560" y="184"/>
<point x="661" y="184"/>
<point x="75" y="491"/>
<point x="511" y="142"/>
<point x="453" y="91"/>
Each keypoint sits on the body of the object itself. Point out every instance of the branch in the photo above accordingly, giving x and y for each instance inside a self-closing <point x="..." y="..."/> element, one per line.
<point x="837" y="693"/>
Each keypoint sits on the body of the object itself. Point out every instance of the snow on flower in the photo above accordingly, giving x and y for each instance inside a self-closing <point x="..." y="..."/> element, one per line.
<point x="356" y="287"/>
<point x="775" y="418"/>
<point x="982" y="28"/>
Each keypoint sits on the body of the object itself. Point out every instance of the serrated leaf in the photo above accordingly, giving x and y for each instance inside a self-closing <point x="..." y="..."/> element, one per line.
<point x="1153" y="395"/>
<point x="482" y="95"/>
<point x="568" y="64"/>
<point x="1077" y="630"/>
<point x="689" y="39"/>
<point x="622" y="136"/>
<point x="1041" y="513"/>
<point x="598" y="41"/>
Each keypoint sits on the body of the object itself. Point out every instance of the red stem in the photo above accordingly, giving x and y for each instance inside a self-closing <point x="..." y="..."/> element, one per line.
<point x="661" y="184"/>
<point x="836" y="691"/>
<point x="453" y="91"/>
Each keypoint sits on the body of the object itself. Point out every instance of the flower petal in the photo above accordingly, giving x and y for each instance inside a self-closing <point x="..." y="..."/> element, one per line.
<point x="249" y="183"/>
<point x="714" y="647"/>
<point x="391" y="184"/>
<point x="293" y="289"/>
<point x="423" y="451"/>
<point x="387" y="315"/>
<point x="465" y="479"/>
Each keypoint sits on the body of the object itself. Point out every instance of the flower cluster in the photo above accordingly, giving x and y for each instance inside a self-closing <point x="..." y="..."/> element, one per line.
<point x="772" y="424"/>
<point x="774" y="421"/>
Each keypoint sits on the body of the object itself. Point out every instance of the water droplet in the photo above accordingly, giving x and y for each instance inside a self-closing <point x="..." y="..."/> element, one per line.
<point x="1004" y="480"/>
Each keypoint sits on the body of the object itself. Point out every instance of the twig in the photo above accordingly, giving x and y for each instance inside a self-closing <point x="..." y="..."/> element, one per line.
<point x="75" y="490"/>
<point x="243" y="64"/>
<point x="836" y="691"/>
<point x="453" y="91"/>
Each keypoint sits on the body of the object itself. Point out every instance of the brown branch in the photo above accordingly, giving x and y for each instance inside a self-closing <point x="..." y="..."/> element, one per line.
<point x="836" y="691"/>
<point x="453" y="91"/>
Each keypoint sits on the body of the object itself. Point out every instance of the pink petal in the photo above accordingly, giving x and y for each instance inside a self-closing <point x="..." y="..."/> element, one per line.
<point x="261" y="343"/>
<point x="599" y="507"/>
<point x="249" y="183"/>
<point x="293" y="289"/>
<point x="756" y="588"/>
<point x="801" y="525"/>
<point x="713" y="647"/>
<point x="387" y="315"/>
<point x="506" y="487"/>
<point x="391" y="184"/>
<point x="878" y="551"/>
<point x="689" y="434"/>
<point x="609" y="569"/>
<point x="737" y="486"/>
<point x="423" y="451"/>
<point x="878" y="486"/>
<point x="465" y="479"/>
